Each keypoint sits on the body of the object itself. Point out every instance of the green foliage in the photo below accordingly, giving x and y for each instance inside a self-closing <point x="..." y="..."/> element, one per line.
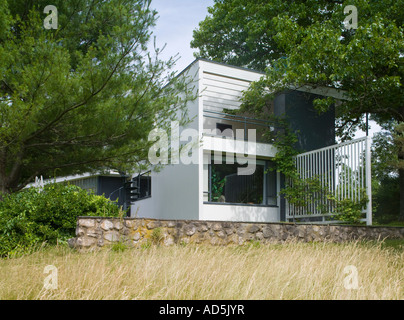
<point x="85" y="96"/>
<point x="385" y="167"/>
<point x="157" y="236"/>
<point x="243" y="33"/>
<point x="310" y="191"/>
<point x="384" y="154"/>
<point x="387" y="200"/>
<point x="302" y="192"/>
<point x="398" y="138"/>
<point x="256" y="244"/>
<point x="347" y="209"/>
<point x="304" y="43"/>
<point x="146" y="244"/>
<point x="217" y="185"/>
<point x="119" y="247"/>
<point x="30" y="217"/>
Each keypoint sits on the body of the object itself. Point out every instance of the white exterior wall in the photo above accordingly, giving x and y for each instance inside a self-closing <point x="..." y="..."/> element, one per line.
<point x="222" y="88"/>
<point x="178" y="190"/>
<point x="174" y="194"/>
<point x="222" y="212"/>
<point x="175" y="190"/>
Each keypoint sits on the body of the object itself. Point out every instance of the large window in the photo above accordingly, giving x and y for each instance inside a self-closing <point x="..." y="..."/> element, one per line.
<point x="227" y="186"/>
<point x="88" y="183"/>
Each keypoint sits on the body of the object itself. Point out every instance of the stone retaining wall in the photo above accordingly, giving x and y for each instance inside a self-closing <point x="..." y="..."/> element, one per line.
<point x="93" y="232"/>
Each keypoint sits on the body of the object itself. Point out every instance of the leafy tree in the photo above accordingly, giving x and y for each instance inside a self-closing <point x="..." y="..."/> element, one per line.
<point x="84" y="96"/>
<point x="242" y="32"/>
<point x="307" y="43"/>
<point x="385" y="180"/>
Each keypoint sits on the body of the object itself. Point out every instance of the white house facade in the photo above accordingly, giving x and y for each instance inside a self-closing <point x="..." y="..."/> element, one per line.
<point x="224" y="169"/>
<point x="211" y="187"/>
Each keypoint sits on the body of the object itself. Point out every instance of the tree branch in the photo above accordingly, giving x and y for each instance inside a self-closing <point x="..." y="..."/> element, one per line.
<point x="80" y="104"/>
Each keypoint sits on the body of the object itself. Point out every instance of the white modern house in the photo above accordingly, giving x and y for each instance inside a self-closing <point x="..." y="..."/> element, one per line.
<point x="226" y="173"/>
<point x="210" y="188"/>
<point x="219" y="167"/>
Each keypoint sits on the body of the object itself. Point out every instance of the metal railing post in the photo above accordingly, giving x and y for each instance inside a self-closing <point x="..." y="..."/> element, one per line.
<point x="368" y="172"/>
<point x="245" y="129"/>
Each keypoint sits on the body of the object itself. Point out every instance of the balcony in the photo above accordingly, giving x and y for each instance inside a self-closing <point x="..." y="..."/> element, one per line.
<point x="219" y="124"/>
<point x="232" y="134"/>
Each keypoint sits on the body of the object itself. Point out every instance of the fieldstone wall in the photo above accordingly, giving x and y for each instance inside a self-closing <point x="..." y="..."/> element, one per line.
<point x="95" y="232"/>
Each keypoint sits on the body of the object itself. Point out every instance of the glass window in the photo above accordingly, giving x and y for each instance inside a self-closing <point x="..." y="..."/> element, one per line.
<point x="224" y="129"/>
<point x="271" y="184"/>
<point x="89" y="184"/>
<point x="226" y="186"/>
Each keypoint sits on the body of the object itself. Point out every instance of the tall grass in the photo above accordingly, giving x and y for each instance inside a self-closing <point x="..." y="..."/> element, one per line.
<point x="279" y="271"/>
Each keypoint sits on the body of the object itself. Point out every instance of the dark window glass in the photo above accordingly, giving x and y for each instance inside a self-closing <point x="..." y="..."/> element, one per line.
<point x="227" y="186"/>
<point x="221" y="127"/>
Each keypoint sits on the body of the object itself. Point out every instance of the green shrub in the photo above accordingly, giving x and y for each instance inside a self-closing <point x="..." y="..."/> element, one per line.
<point x="30" y="217"/>
<point x="119" y="247"/>
<point x="157" y="236"/>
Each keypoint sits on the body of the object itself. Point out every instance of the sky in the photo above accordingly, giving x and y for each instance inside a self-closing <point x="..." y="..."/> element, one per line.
<point x="174" y="27"/>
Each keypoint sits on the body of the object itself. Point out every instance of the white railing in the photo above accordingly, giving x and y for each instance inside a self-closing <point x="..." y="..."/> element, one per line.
<point x="343" y="171"/>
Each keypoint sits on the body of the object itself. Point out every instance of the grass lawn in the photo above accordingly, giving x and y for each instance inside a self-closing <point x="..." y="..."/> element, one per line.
<point x="277" y="271"/>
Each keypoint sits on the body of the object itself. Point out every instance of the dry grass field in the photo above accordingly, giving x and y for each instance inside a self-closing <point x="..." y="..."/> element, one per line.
<point x="279" y="271"/>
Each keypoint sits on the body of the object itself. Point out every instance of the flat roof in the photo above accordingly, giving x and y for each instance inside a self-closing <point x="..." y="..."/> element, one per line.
<point x="319" y="90"/>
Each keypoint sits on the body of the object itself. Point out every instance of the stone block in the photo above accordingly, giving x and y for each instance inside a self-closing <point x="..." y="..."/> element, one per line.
<point x="107" y="225"/>
<point x="221" y="234"/>
<point x="87" y="223"/>
<point x="254" y="228"/>
<point x="129" y="223"/>
<point x="80" y="232"/>
<point x="85" y="242"/>
<point x="190" y="230"/>
<point x="267" y="232"/>
<point x="136" y="236"/>
<point x="153" y="224"/>
<point x="118" y="225"/>
<point x="111" y="236"/>
<point x="93" y="234"/>
<point x="229" y="231"/>
<point x="171" y="224"/>
<point x="216" y="227"/>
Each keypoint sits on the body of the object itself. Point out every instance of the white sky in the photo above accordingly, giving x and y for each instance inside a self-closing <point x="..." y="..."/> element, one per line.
<point x="174" y="27"/>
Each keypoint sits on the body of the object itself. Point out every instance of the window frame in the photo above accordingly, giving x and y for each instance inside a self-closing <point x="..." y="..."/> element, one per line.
<point x="265" y="194"/>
